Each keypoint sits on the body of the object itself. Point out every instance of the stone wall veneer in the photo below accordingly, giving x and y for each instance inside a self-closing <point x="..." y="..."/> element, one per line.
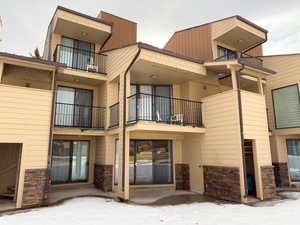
<point x="222" y="182"/>
<point x="103" y="177"/>
<point x="268" y="182"/>
<point x="281" y="173"/>
<point x="35" y="185"/>
<point x="182" y="176"/>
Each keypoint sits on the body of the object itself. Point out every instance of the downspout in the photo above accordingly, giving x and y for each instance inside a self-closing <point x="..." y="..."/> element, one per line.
<point x="106" y="40"/>
<point x="124" y="114"/>
<point x="51" y="133"/>
<point x="238" y="82"/>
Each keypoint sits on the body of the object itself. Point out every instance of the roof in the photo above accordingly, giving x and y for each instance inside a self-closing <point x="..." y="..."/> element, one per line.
<point x="159" y="50"/>
<point x="30" y="59"/>
<point x="241" y="61"/>
<point x="279" y="55"/>
<point x="84" y="15"/>
<point x="236" y="16"/>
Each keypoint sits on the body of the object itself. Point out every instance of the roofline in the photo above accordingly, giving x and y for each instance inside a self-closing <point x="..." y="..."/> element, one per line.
<point x="30" y="59"/>
<point x="278" y="55"/>
<point x="101" y="11"/>
<point x="159" y="50"/>
<point x="256" y="66"/>
<point x="236" y="16"/>
<point x="83" y="15"/>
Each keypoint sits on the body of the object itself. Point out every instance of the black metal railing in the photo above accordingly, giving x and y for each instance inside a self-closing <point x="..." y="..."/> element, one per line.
<point x="80" y="59"/>
<point x="161" y="109"/>
<point x="114" y="115"/>
<point x="240" y="55"/>
<point x="81" y="116"/>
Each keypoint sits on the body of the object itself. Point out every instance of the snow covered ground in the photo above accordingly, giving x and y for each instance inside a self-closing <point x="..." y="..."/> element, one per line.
<point x="93" y="211"/>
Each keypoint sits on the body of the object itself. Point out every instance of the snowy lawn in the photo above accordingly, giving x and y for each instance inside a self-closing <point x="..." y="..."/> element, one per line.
<point x="93" y="211"/>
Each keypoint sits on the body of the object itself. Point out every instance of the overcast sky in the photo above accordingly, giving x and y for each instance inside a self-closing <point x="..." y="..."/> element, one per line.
<point x="25" y="21"/>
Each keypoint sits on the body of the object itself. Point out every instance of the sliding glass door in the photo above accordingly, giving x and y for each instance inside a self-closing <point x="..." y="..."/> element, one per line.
<point x="293" y="148"/>
<point x="153" y="103"/>
<point x="76" y="54"/>
<point x="73" y="107"/>
<point x="150" y="162"/>
<point x="69" y="161"/>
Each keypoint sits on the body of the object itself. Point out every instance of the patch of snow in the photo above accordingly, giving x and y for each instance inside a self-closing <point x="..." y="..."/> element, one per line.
<point x="92" y="211"/>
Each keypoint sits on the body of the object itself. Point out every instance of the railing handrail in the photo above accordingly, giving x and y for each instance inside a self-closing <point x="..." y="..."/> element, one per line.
<point x="65" y="46"/>
<point x="114" y="105"/>
<point x="87" y="106"/>
<point x="180" y="99"/>
<point x="237" y="54"/>
<point x="250" y="56"/>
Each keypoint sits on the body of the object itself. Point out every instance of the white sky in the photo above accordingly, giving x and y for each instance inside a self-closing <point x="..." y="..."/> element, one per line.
<point x="25" y="21"/>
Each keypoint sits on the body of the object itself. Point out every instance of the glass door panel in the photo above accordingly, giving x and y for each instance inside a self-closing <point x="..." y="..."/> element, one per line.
<point x="132" y="103"/>
<point x="66" y="54"/>
<point x="162" y="166"/>
<point x="117" y="158"/>
<point x="60" y="169"/>
<point x="145" y="102"/>
<point x="80" y="161"/>
<point x="83" y="108"/>
<point x="65" y="108"/>
<point x="162" y="106"/>
<point x="144" y="162"/>
<point x="293" y="147"/>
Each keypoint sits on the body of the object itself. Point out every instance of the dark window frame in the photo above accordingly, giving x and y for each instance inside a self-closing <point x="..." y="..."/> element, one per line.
<point x="71" y="165"/>
<point x="273" y="104"/>
<point x="170" y="146"/>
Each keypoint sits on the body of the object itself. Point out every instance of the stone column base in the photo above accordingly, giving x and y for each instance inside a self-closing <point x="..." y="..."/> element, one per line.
<point x="281" y="173"/>
<point x="268" y="182"/>
<point x="222" y="182"/>
<point x="35" y="185"/>
<point x="103" y="177"/>
<point x="182" y="175"/>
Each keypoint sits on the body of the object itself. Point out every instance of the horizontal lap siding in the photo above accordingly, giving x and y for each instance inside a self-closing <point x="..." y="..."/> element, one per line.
<point x="222" y="138"/>
<point x="256" y="125"/>
<point x="25" y="118"/>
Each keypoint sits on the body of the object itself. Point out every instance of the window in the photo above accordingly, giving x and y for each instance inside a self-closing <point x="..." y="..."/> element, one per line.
<point x="69" y="161"/>
<point x="293" y="147"/>
<point x="150" y="162"/>
<point x="286" y="106"/>
<point x="73" y="107"/>
<point x="226" y="54"/>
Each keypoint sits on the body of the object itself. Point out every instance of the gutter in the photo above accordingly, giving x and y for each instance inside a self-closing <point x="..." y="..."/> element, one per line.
<point x="241" y="127"/>
<point x="256" y="44"/>
<point x="124" y="114"/>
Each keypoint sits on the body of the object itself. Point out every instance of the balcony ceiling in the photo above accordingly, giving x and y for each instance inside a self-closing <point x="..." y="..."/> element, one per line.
<point x="146" y="72"/>
<point x="81" y="28"/>
<point x="240" y="38"/>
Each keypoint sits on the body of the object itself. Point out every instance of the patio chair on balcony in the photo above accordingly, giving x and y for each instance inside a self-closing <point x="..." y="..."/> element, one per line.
<point x="92" y="67"/>
<point x="177" y="119"/>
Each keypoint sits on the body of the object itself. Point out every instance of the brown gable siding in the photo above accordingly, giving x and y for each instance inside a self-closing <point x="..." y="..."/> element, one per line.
<point x="256" y="51"/>
<point x="124" y="32"/>
<point x="195" y="43"/>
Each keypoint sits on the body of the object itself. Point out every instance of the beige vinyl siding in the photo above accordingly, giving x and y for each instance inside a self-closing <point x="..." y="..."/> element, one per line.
<point x="222" y="145"/>
<point x="118" y="60"/>
<point x="25" y="118"/>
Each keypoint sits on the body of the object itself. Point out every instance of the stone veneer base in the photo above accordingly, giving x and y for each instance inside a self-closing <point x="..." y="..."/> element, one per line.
<point x="222" y="182"/>
<point x="103" y="177"/>
<point x="268" y="182"/>
<point x="281" y="173"/>
<point x="35" y="185"/>
<point x="182" y="176"/>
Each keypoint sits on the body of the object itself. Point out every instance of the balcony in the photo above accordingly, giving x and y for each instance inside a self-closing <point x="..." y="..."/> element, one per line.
<point x="242" y="56"/>
<point x="161" y="109"/>
<point x="80" y="59"/>
<point x="114" y="115"/>
<point x="79" y="116"/>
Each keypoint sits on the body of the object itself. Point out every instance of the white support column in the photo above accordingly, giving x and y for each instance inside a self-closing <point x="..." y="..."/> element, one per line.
<point x="233" y="78"/>
<point x="260" y="86"/>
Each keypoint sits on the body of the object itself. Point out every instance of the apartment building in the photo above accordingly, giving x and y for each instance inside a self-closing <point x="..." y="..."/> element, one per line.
<point x="101" y="108"/>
